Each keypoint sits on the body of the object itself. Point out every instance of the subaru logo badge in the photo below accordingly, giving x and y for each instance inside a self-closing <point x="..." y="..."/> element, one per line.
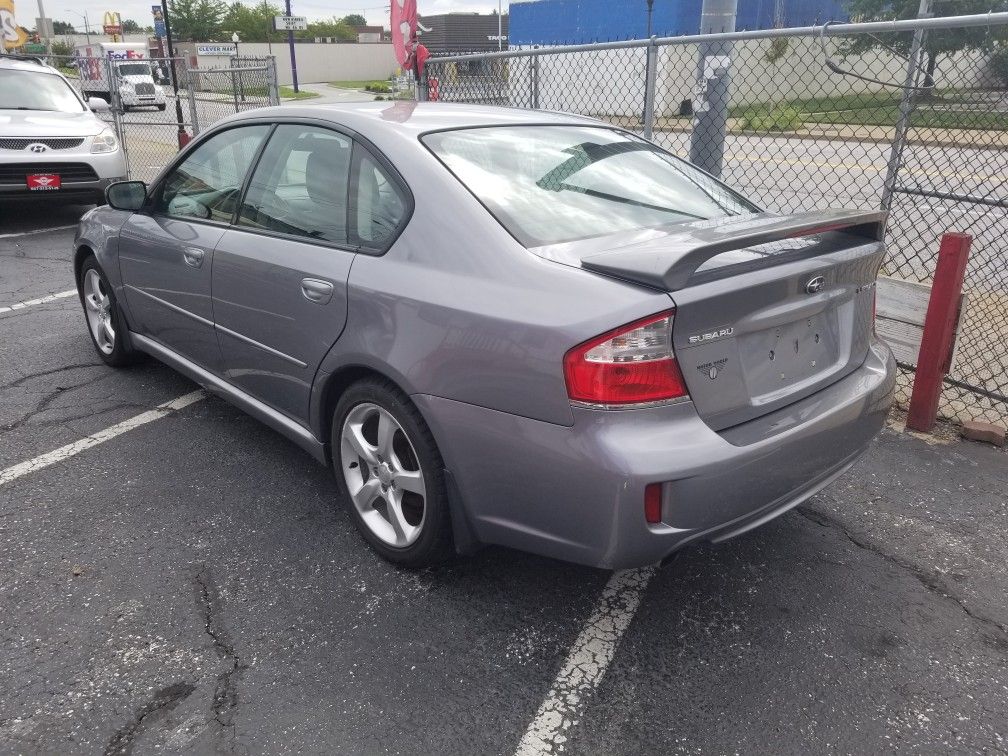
<point x="37" y="147"/>
<point x="815" y="285"/>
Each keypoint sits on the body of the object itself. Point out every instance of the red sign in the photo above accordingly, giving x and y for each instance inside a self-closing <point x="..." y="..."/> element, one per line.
<point x="43" y="182"/>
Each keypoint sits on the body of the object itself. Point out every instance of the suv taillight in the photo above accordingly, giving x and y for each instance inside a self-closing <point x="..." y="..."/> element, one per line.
<point x="633" y="364"/>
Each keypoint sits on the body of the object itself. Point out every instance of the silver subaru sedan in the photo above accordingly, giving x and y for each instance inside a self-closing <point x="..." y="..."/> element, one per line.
<point x="501" y="326"/>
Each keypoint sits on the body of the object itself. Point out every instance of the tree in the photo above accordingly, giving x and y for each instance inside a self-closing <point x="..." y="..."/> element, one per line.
<point x="252" y="22"/>
<point x="129" y="26"/>
<point x="196" y="20"/>
<point x="334" y="28"/>
<point x="355" y="19"/>
<point x="63" y="27"/>
<point x="936" y="43"/>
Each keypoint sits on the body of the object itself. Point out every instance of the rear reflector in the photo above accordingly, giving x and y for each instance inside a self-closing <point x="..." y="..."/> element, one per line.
<point x="652" y="503"/>
<point x="633" y="364"/>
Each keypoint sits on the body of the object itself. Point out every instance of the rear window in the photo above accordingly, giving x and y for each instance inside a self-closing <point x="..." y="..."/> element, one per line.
<point x="553" y="184"/>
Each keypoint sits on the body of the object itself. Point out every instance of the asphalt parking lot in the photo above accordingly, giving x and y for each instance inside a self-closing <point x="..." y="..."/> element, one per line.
<point x="193" y="585"/>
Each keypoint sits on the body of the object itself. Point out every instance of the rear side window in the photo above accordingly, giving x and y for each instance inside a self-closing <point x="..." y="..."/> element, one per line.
<point x="300" y="185"/>
<point x="552" y="184"/>
<point x="378" y="207"/>
<point x="206" y="184"/>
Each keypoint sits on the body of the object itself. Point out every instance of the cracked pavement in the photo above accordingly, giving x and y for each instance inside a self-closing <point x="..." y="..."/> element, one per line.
<point x="193" y="586"/>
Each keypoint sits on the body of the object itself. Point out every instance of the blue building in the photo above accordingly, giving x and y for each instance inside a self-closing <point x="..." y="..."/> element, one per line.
<point x="551" y="22"/>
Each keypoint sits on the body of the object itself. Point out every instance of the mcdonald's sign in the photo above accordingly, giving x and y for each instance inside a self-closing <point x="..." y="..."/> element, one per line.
<point x="11" y="34"/>
<point x="112" y="23"/>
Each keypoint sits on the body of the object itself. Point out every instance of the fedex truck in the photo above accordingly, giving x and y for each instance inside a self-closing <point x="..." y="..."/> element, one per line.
<point x="131" y="73"/>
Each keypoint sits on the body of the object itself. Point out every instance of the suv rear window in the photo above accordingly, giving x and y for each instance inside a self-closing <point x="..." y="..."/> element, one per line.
<point x="31" y="90"/>
<point x="553" y="184"/>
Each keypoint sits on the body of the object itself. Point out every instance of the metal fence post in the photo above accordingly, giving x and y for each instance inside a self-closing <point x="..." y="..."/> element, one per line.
<point x="907" y="103"/>
<point x="649" y="87"/>
<point x="535" y="82"/>
<point x="713" y="87"/>
<point x="191" y="96"/>
<point x="274" y="87"/>
<point x="115" y="105"/>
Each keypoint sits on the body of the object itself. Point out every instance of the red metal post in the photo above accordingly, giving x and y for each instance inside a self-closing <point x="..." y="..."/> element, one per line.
<point x="939" y="330"/>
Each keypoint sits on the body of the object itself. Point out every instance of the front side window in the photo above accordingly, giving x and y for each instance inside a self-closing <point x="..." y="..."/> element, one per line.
<point x="299" y="186"/>
<point x="207" y="183"/>
<point x="35" y="90"/>
<point x="552" y="184"/>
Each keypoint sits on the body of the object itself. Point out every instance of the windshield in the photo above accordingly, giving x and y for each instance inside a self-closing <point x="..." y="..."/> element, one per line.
<point x="36" y="90"/>
<point x="134" y="69"/>
<point x="552" y="184"/>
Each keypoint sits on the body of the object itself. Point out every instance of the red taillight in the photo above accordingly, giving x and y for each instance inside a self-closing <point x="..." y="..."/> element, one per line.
<point x="633" y="364"/>
<point x="652" y="503"/>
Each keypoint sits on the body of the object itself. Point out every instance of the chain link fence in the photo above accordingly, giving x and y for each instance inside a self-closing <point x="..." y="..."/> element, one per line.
<point x="147" y="115"/>
<point x="852" y="115"/>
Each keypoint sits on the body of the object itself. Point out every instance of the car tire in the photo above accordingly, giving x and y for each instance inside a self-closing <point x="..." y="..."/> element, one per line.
<point x="105" y="323"/>
<point x="379" y="479"/>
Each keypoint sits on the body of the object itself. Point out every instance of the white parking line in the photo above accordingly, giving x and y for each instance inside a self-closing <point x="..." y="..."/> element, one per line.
<point x="40" y="300"/>
<point x="586" y="663"/>
<point x="64" y="452"/>
<point x="38" y="231"/>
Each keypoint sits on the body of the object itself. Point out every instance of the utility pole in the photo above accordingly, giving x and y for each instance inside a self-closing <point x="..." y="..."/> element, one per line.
<point x="713" y="87"/>
<point x="290" y="44"/>
<point x="44" y="23"/>
<point x="500" y="33"/>
<point x="183" y="137"/>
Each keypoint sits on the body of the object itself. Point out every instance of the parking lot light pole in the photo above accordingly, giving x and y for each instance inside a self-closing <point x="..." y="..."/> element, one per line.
<point x="241" y="81"/>
<point x="87" y="26"/>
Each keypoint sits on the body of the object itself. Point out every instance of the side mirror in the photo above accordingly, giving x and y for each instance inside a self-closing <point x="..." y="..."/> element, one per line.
<point x="97" y="103"/>
<point x="126" y="195"/>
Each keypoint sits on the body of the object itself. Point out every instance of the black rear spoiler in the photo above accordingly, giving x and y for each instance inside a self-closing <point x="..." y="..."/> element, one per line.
<point x="668" y="262"/>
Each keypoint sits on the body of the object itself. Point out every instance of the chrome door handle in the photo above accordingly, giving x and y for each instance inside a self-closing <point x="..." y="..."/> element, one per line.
<point x="314" y="290"/>
<point x="193" y="256"/>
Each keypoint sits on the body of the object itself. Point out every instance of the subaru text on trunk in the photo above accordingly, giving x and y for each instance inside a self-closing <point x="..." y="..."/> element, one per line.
<point x="501" y="326"/>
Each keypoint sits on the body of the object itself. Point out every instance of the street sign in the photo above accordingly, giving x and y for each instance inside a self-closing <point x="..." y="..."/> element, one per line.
<point x="290" y="23"/>
<point x="34" y="48"/>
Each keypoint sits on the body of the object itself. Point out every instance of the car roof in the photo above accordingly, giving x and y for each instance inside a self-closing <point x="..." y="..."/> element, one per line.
<point x="26" y="63"/>
<point x="408" y="116"/>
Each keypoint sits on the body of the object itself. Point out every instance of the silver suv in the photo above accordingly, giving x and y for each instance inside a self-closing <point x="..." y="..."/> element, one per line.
<point x="51" y="143"/>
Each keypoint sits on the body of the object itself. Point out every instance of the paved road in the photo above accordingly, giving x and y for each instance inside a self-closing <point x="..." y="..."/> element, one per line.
<point x="193" y="585"/>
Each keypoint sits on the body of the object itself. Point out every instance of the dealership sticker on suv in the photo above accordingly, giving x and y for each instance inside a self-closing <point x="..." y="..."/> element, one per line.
<point x="43" y="182"/>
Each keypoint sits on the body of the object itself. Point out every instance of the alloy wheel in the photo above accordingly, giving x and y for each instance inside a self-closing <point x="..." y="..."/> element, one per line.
<point x="383" y="475"/>
<point x="98" y="307"/>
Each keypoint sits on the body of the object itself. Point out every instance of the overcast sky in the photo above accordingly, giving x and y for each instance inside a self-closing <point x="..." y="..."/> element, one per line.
<point x="140" y="10"/>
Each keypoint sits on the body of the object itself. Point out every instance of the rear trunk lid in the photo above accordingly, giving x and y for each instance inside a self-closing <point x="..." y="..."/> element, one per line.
<point x="769" y="309"/>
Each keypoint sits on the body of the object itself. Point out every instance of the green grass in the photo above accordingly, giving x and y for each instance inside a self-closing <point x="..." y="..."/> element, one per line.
<point x="872" y="109"/>
<point x="288" y="93"/>
<point x="356" y="84"/>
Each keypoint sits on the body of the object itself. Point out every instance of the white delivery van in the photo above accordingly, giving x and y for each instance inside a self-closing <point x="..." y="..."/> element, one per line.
<point x="131" y="73"/>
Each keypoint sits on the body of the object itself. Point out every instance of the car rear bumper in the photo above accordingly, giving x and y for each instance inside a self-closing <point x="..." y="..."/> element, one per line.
<point x="577" y="492"/>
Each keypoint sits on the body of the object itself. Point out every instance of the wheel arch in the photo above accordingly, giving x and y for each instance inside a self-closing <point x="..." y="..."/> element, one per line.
<point x="463" y="534"/>
<point x="80" y="254"/>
